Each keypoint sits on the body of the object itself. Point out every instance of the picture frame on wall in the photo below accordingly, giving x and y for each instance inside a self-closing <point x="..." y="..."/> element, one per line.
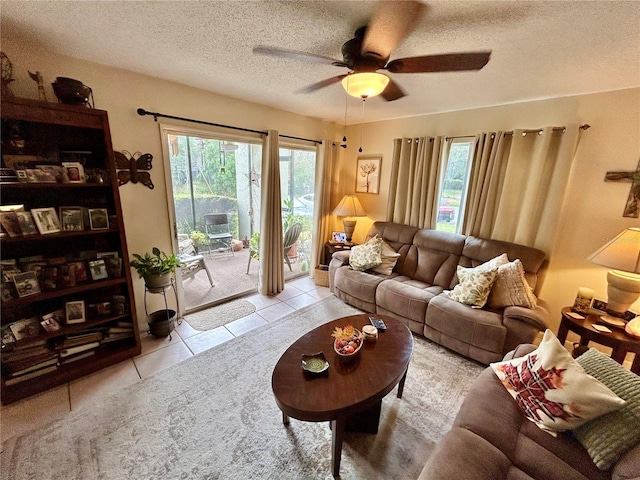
<point x="46" y="220"/>
<point x="368" y="174"/>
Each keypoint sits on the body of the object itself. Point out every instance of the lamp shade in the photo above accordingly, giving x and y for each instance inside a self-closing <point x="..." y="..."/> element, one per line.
<point x="621" y="253"/>
<point x="349" y="206"/>
<point x="364" y="85"/>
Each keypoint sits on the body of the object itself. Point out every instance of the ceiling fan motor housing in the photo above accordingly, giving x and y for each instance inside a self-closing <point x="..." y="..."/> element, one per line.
<point x="356" y="60"/>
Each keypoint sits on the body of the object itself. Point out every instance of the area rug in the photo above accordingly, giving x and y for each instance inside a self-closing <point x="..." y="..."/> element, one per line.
<point x="213" y="416"/>
<point x="219" y="315"/>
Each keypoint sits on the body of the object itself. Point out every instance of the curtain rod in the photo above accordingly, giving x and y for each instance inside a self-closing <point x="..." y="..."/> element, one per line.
<point x="535" y="130"/>
<point x="142" y="112"/>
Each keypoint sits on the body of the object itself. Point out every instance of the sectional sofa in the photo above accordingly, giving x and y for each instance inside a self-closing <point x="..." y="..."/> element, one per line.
<point x="415" y="290"/>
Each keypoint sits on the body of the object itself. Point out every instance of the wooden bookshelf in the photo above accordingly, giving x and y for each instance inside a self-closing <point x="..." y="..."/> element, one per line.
<point x="52" y="133"/>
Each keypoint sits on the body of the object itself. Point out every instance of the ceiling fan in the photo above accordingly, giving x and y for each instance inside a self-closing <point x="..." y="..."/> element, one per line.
<point x="371" y="48"/>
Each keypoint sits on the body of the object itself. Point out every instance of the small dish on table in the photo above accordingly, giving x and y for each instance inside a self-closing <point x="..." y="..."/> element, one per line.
<point x="316" y="363"/>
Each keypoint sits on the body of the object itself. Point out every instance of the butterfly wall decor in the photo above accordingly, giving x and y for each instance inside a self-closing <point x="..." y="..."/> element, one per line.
<point x="133" y="168"/>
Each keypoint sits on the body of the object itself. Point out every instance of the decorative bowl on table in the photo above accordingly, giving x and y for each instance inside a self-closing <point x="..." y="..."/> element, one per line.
<point x="347" y="341"/>
<point x="315" y="363"/>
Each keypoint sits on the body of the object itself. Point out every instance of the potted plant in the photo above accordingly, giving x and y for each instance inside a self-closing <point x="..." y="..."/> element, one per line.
<point x="156" y="267"/>
<point x="198" y="238"/>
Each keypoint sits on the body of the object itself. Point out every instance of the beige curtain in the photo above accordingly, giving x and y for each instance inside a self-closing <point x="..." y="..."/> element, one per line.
<point x="519" y="183"/>
<point x="415" y="177"/>
<point x="326" y="157"/>
<point x="271" y="278"/>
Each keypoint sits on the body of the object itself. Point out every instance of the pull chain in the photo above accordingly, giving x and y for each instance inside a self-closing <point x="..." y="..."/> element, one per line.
<point x="364" y="99"/>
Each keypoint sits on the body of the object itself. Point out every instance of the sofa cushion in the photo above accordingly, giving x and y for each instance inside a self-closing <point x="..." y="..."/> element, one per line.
<point x="433" y="257"/>
<point x="474" y="285"/>
<point x="511" y="288"/>
<point x="368" y="255"/>
<point x="357" y="288"/>
<point x="607" y="437"/>
<point x="553" y="390"/>
<point x="389" y="257"/>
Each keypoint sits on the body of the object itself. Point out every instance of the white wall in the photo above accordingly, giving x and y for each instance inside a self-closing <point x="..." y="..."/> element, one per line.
<point x="593" y="210"/>
<point x="121" y="92"/>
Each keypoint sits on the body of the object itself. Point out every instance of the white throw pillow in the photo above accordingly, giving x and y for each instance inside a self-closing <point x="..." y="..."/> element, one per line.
<point x="553" y="390"/>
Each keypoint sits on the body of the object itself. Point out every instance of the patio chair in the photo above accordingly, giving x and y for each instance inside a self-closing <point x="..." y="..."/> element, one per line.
<point x="290" y="238"/>
<point x="190" y="262"/>
<point x="217" y="230"/>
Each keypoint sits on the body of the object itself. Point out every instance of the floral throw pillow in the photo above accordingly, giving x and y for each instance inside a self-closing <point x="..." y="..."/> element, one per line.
<point x="553" y="390"/>
<point x="474" y="285"/>
<point x="367" y="255"/>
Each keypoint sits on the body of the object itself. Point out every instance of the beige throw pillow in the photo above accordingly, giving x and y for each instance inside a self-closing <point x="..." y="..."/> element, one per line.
<point x="511" y="288"/>
<point x="367" y="255"/>
<point x="389" y="258"/>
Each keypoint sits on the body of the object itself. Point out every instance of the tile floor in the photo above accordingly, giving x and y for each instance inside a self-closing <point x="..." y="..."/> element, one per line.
<point x="157" y="354"/>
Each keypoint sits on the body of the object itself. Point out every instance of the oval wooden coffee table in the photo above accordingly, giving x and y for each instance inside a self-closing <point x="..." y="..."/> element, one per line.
<point x="348" y="394"/>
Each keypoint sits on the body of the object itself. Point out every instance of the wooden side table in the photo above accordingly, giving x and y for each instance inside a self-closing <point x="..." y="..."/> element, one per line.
<point x="331" y="248"/>
<point x="618" y="339"/>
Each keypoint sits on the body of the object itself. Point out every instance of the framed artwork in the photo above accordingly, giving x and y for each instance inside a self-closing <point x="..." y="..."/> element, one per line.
<point x="27" y="225"/>
<point x="98" y="270"/>
<point x="368" y="174"/>
<point x="98" y="218"/>
<point x="75" y="172"/>
<point x="46" y="220"/>
<point x="26" y="284"/>
<point x="10" y="223"/>
<point x="75" y="312"/>
<point x="72" y="219"/>
<point x="338" y="237"/>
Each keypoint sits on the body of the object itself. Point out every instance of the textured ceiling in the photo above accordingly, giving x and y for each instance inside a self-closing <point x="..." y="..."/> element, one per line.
<point x="541" y="49"/>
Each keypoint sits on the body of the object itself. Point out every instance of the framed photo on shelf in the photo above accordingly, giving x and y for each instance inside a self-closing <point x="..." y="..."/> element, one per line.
<point x="75" y="312"/>
<point x="27" y="225"/>
<point x="10" y="223"/>
<point x="99" y="218"/>
<point x="78" y="270"/>
<point x="72" y="219"/>
<point x="368" y="174"/>
<point x="46" y="220"/>
<point x="98" y="270"/>
<point x="26" y="283"/>
<point x="75" y="172"/>
<point x="52" y="322"/>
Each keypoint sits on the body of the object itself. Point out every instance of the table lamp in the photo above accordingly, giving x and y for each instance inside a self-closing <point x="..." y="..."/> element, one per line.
<point x="622" y="255"/>
<point x="349" y="206"/>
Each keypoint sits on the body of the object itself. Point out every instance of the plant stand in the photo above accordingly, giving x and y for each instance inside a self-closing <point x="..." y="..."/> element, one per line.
<point x="163" y="291"/>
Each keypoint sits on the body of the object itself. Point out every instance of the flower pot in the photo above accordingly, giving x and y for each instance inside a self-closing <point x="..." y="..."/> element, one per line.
<point x="154" y="281"/>
<point x="161" y="322"/>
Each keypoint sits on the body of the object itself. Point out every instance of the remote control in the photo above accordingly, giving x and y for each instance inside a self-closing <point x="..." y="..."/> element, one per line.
<point x="379" y="324"/>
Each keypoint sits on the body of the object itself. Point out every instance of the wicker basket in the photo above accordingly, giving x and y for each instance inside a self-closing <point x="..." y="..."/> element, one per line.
<point x="321" y="277"/>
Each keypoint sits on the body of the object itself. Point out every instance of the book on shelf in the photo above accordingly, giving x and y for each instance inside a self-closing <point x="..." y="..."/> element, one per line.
<point x="120" y="329"/>
<point x="76" y="340"/>
<point x="14" y="371"/>
<point x="9" y="354"/>
<point x="116" y="336"/>
<point x="30" y="375"/>
<point x="76" y="357"/>
<point x="80" y="348"/>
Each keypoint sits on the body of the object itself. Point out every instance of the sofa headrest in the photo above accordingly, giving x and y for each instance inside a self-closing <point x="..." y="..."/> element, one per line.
<point x="393" y="233"/>
<point x="479" y="250"/>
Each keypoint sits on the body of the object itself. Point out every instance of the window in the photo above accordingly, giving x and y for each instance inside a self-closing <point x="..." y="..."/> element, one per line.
<point x="454" y="186"/>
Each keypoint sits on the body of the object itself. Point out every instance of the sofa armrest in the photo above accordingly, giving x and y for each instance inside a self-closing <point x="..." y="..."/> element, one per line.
<point x="338" y="260"/>
<point x="538" y="317"/>
<point x="342" y="256"/>
<point x="628" y="466"/>
<point x="520" y="351"/>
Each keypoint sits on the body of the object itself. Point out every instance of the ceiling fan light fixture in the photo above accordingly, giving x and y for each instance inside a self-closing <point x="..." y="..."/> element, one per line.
<point x="365" y="85"/>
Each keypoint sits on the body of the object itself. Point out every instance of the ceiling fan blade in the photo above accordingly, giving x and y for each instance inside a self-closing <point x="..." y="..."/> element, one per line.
<point x="295" y="55"/>
<point x="392" y="92"/>
<point x="390" y="25"/>
<point x="450" y="62"/>
<point x="321" y="84"/>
